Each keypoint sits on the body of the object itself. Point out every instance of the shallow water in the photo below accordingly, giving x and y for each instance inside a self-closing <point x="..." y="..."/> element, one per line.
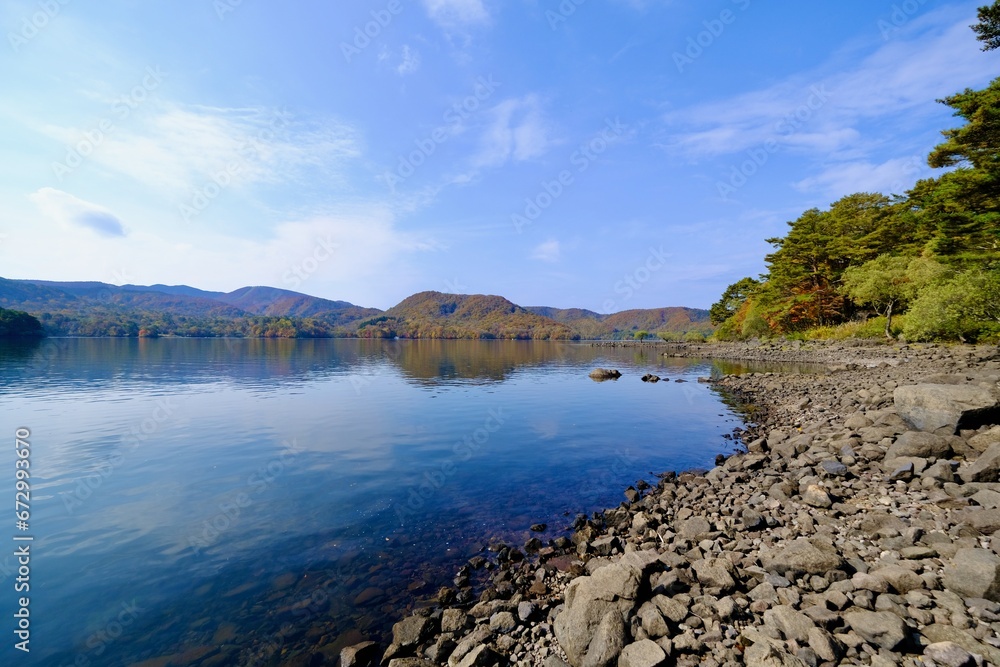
<point x="213" y="499"/>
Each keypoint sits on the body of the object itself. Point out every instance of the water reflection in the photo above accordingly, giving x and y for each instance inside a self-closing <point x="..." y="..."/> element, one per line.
<point x="247" y="493"/>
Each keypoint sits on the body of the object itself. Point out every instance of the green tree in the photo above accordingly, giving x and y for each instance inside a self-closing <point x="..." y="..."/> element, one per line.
<point x="888" y="283"/>
<point x="732" y="299"/>
<point x="641" y="335"/>
<point x="976" y="142"/>
<point x="18" y="324"/>
<point x="961" y="307"/>
<point x="988" y="29"/>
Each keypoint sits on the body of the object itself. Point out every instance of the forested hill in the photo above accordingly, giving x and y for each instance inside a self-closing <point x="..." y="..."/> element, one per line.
<point x="100" y="309"/>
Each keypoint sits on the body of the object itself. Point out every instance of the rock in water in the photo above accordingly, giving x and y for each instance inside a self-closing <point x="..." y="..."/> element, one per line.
<point x="601" y="374"/>
<point x="946" y="408"/>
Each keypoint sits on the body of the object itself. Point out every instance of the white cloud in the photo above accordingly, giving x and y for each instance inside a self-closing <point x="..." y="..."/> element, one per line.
<point x="893" y="176"/>
<point x="820" y="113"/>
<point x="451" y="13"/>
<point x="410" y="62"/>
<point x="548" y="251"/>
<point x="70" y="211"/>
<point x="174" y="149"/>
<point x="517" y="130"/>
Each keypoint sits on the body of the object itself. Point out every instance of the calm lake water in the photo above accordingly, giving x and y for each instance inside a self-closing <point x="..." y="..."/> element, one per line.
<point x="216" y="500"/>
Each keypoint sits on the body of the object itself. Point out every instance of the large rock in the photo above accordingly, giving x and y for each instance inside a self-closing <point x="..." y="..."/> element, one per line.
<point x="365" y="654"/>
<point x="881" y="628"/>
<point x="900" y="578"/>
<point x="596" y="606"/>
<point x="974" y="573"/>
<point x="938" y="633"/>
<point x="600" y="374"/>
<point x="412" y="630"/>
<point x="986" y="468"/>
<point x="792" y="624"/>
<point x="608" y="641"/>
<point x="949" y="654"/>
<point x="802" y="556"/>
<point x="919" y="444"/>
<point x="763" y="654"/>
<point x="945" y="408"/>
<point x="643" y="653"/>
<point x="715" y="574"/>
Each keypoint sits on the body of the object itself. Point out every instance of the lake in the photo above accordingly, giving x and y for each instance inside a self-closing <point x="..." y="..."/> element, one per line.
<point x="217" y="500"/>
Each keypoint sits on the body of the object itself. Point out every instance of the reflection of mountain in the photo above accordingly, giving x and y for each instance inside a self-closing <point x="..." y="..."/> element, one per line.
<point x="591" y="325"/>
<point x="99" y="309"/>
<point x="170" y="361"/>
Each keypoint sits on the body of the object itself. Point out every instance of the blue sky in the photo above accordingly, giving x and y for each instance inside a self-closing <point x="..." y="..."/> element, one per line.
<point x="604" y="154"/>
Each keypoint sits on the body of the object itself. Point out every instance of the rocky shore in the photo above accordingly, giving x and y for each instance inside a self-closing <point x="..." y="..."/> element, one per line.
<point x="857" y="528"/>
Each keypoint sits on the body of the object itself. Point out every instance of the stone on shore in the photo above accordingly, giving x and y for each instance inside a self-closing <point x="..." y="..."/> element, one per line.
<point x="946" y="408"/>
<point x="881" y="628"/>
<point x="974" y="573"/>
<point x="802" y="556"/>
<point x="365" y="654"/>
<point x="644" y="653"/>
<point x="986" y="468"/>
<point x="949" y="654"/>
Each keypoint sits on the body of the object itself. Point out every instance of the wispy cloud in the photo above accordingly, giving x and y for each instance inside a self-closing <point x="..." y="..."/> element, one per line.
<point x="452" y="13"/>
<point x="898" y="80"/>
<point x="549" y="251"/>
<point x="71" y="211"/>
<point x="410" y="61"/>
<point x="174" y="148"/>
<point x="892" y="176"/>
<point x="517" y="131"/>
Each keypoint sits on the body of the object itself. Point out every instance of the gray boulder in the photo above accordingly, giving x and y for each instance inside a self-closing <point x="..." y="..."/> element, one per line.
<point x="974" y="573"/>
<point x="949" y="654"/>
<point x="591" y="626"/>
<point x="792" y="624"/>
<point x="986" y="468"/>
<point x="643" y="653"/>
<point x="608" y="641"/>
<point x="802" y="556"/>
<point x="945" y="408"/>
<point x="412" y="630"/>
<point x="365" y="654"/>
<point x="919" y="444"/>
<point x="763" y="654"/>
<point x="880" y="628"/>
<point x="715" y="574"/>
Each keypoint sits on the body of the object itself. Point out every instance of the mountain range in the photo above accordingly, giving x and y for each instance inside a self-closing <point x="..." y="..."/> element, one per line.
<point x="101" y="309"/>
